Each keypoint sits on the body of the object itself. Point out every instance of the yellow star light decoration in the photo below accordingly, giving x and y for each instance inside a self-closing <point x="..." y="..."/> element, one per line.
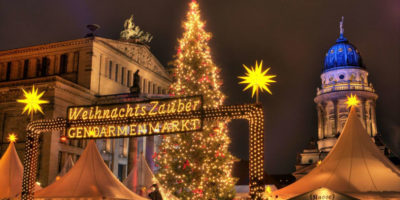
<point x="12" y="137"/>
<point x="92" y="133"/>
<point x="32" y="101"/>
<point x="257" y="79"/>
<point x="352" y="100"/>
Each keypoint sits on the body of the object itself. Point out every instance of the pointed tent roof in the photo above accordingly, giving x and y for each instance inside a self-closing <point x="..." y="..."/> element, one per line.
<point x="11" y="173"/>
<point x="354" y="165"/>
<point x="89" y="178"/>
<point x="67" y="166"/>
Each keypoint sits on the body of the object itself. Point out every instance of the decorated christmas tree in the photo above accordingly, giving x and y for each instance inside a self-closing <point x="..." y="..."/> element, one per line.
<point x="197" y="165"/>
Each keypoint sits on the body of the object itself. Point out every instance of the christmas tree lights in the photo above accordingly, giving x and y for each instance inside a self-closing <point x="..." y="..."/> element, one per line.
<point x="197" y="165"/>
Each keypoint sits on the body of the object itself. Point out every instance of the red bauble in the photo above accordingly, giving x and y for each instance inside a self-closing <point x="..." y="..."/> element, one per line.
<point x="186" y="164"/>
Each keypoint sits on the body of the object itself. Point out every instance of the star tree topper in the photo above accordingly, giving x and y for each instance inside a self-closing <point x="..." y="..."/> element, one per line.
<point x="257" y="79"/>
<point x="32" y="101"/>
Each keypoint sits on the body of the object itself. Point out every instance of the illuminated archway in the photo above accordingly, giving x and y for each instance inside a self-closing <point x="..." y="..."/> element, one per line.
<point x="144" y="119"/>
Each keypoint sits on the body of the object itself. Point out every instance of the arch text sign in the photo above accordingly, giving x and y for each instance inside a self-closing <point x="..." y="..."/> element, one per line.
<point x="77" y="116"/>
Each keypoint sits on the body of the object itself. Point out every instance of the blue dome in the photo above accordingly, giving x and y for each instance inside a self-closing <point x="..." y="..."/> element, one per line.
<point x="342" y="55"/>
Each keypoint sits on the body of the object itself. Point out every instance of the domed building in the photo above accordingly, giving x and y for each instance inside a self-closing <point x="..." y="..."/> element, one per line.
<point x="343" y="74"/>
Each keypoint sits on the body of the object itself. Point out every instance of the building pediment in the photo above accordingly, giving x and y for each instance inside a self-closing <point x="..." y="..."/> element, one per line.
<point x="138" y="53"/>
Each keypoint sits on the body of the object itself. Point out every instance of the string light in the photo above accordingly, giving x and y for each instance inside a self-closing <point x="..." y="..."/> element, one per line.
<point x="63" y="138"/>
<point x="252" y="113"/>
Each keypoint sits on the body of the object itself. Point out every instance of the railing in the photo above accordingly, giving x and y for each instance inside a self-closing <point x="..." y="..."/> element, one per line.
<point x="341" y="87"/>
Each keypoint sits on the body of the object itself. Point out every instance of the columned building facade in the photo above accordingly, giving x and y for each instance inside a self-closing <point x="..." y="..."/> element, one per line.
<point x="85" y="71"/>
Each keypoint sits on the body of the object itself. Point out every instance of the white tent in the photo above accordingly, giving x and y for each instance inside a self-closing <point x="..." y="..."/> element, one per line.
<point x="67" y="166"/>
<point x="355" y="166"/>
<point x="11" y="172"/>
<point x="90" y="178"/>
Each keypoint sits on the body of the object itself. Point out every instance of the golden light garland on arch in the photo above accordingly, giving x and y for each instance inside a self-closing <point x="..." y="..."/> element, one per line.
<point x="253" y="113"/>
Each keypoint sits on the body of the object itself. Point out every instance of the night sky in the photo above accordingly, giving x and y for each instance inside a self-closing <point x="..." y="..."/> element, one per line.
<point x="290" y="36"/>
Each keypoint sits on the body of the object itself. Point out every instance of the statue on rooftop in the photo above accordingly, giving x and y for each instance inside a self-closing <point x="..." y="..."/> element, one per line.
<point x="133" y="32"/>
<point x="341" y="26"/>
<point x="135" y="89"/>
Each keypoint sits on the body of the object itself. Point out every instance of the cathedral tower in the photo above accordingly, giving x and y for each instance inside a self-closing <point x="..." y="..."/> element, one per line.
<point x="343" y="74"/>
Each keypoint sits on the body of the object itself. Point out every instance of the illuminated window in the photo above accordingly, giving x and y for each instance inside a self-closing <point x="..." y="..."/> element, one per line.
<point x="349" y="49"/>
<point x="332" y="51"/>
<point x="340" y="49"/>
<point x="76" y="61"/>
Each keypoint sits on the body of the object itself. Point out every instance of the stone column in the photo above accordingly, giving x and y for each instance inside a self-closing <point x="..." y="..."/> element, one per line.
<point x="57" y="64"/>
<point x="373" y="119"/>
<point x="114" y="156"/>
<point x="132" y="160"/>
<point x="320" y="122"/>
<point x="368" y="117"/>
<point x="362" y="112"/>
<point x="20" y="71"/>
<point x="336" y="117"/>
<point x="52" y="68"/>
<point x="325" y="121"/>
<point x="70" y="62"/>
<point x="32" y="68"/>
<point x="132" y="153"/>
<point x="150" y="151"/>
